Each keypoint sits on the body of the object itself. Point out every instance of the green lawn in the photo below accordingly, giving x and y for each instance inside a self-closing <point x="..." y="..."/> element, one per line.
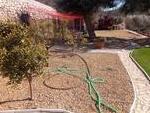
<point x="142" y="56"/>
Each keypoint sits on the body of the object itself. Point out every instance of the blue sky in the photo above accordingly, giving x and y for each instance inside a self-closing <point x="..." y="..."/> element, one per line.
<point x="118" y="4"/>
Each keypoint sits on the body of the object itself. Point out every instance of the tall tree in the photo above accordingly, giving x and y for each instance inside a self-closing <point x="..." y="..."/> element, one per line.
<point x="132" y="6"/>
<point x="84" y="8"/>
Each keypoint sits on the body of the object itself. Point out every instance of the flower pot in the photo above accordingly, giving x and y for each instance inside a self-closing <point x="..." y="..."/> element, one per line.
<point x="99" y="44"/>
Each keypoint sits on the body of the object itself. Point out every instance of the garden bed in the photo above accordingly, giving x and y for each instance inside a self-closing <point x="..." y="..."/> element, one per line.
<point x="71" y="92"/>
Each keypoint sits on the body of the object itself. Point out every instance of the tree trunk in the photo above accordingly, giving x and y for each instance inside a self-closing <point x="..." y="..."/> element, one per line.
<point x="29" y="77"/>
<point x="90" y="28"/>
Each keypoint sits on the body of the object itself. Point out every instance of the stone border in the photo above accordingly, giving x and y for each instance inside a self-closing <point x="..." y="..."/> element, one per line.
<point x="133" y="32"/>
<point x="39" y="110"/>
<point x="139" y="66"/>
<point x="134" y="88"/>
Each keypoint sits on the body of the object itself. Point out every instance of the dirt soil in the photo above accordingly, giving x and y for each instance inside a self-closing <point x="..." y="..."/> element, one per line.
<point x="71" y="92"/>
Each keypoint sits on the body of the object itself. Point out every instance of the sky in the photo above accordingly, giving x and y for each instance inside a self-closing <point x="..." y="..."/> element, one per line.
<point x="117" y="5"/>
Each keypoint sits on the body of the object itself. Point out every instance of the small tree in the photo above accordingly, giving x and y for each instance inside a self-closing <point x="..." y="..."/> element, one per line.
<point x="20" y="56"/>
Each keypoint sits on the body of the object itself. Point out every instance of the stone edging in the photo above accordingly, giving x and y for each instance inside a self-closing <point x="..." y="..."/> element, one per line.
<point x="39" y="110"/>
<point x="133" y="32"/>
<point x="64" y="111"/>
<point x="134" y="89"/>
<point x="139" y="66"/>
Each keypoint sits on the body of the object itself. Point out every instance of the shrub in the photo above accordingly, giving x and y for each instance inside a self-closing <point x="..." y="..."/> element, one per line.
<point x="64" y="34"/>
<point x="138" y="22"/>
<point x="55" y="32"/>
<point x="51" y="33"/>
<point x="21" y="57"/>
<point x="12" y="35"/>
<point x="106" y="22"/>
<point x="42" y="31"/>
<point x="68" y="36"/>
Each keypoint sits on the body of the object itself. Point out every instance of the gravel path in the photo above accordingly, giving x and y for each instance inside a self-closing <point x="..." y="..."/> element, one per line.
<point x="141" y="84"/>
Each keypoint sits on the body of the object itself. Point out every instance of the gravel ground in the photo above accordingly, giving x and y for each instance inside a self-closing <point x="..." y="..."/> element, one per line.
<point x="120" y="34"/>
<point x="70" y="93"/>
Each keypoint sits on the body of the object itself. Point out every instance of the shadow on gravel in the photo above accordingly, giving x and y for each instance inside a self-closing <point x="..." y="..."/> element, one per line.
<point x="17" y="100"/>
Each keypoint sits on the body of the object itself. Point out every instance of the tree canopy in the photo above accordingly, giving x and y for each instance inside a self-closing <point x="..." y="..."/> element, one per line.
<point x="20" y="55"/>
<point x="86" y="8"/>
<point x="81" y="6"/>
<point x="132" y="6"/>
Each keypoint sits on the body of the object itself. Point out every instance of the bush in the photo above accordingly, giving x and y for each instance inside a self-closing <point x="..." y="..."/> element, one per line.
<point x="70" y="37"/>
<point x="63" y="34"/>
<point x="21" y="57"/>
<point x="12" y="35"/>
<point x="138" y="22"/>
<point x="21" y="62"/>
<point x="106" y="22"/>
<point x="42" y="30"/>
<point x="56" y="32"/>
<point x="51" y="33"/>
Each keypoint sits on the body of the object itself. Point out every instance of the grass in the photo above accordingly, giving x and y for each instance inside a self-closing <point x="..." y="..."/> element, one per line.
<point x="142" y="56"/>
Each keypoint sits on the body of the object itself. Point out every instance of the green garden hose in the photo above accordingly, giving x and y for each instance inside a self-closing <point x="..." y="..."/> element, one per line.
<point x="91" y="82"/>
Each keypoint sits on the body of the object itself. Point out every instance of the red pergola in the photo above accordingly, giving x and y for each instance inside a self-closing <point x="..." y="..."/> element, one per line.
<point x="51" y="13"/>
